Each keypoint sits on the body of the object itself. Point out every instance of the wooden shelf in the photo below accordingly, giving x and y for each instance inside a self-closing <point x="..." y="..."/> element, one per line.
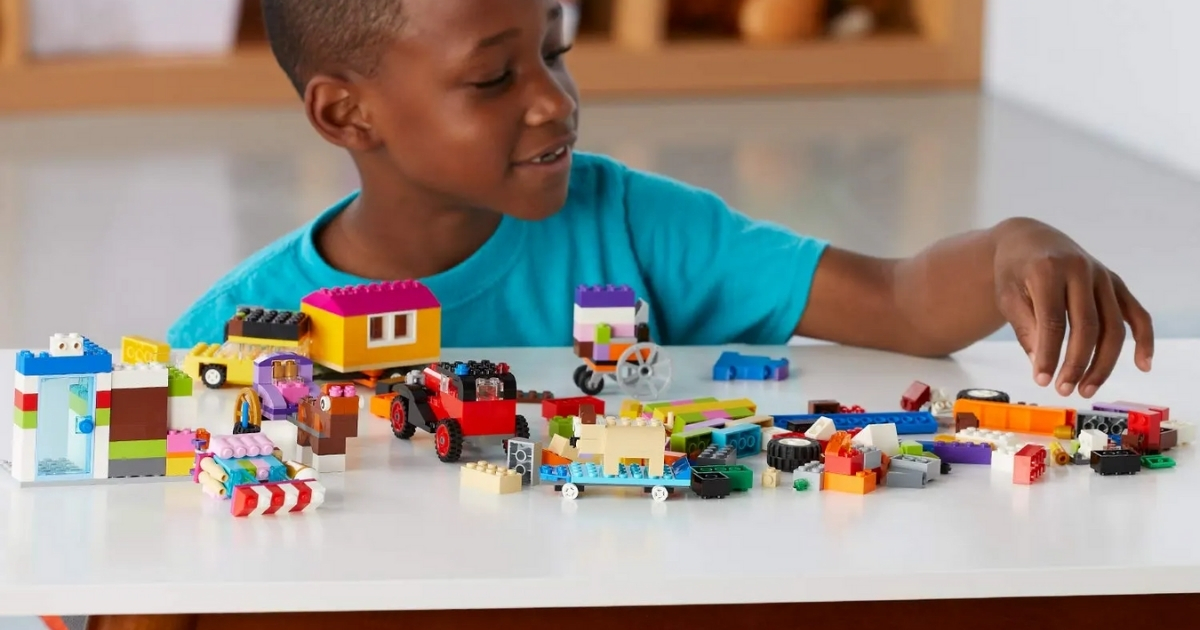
<point x="635" y="63"/>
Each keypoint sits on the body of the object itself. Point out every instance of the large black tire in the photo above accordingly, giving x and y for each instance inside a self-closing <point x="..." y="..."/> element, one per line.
<point x="577" y="377"/>
<point x="983" y="395"/>
<point x="789" y="453"/>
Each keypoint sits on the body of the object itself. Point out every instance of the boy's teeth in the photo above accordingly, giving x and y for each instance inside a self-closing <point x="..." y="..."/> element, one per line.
<point x="550" y="156"/>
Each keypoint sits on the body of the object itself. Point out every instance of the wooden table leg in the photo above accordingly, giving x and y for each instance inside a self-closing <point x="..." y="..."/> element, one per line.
<point x="143" y="622"/>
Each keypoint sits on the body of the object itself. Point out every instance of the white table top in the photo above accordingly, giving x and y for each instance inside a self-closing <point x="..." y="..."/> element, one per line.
<point x="397" y="532"/>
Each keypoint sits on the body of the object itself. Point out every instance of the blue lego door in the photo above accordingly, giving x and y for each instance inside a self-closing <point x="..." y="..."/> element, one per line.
<point x="66" y="427"/>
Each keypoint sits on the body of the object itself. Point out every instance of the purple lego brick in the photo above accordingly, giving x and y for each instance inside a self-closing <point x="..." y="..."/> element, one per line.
<point x="963" y="452"/>
<point x="605" y="297"/>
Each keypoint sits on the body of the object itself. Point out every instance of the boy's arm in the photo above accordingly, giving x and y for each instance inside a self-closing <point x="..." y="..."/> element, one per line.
<point x="962" y="289"/>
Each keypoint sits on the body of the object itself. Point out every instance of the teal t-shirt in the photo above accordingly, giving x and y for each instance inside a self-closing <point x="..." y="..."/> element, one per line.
<point x="710" y="274"/>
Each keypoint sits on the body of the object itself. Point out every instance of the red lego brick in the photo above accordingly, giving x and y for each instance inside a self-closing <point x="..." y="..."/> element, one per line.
<point x="1148" y="425"/>
<point x="1029" y="464"/>
<point x="570" y="406"/>
<point x="25" y="402"/>
<point x="104" y="399"/>
<point x="915" y="396"/>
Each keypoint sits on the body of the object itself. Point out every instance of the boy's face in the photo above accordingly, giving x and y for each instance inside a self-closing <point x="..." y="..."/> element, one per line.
<point x="472" y="103"/>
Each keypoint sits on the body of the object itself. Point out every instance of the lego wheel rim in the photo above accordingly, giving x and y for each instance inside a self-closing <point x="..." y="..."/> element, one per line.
<point x="570" y="491"/>
<point x="643" y="371"/>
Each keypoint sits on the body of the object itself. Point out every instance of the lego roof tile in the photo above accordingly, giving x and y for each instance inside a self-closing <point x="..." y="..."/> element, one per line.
<point x="370" y="299"/>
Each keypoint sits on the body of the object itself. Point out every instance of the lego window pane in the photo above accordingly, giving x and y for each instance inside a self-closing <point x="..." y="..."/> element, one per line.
<point x="377" y="328"/>
<point x="400" y="326"/>
<point x="392" y="329"/>
<point x="66" y="425"/>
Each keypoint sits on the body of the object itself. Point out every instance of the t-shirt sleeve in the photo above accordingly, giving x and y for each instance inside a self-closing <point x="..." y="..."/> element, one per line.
<point x="716" y="276"/>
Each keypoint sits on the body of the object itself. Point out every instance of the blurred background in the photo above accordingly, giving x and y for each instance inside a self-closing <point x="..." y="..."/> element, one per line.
<point x="147" y="146"/>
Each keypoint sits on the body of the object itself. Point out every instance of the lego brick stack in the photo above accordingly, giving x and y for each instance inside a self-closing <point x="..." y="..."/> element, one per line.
<point x="605" y="323"/>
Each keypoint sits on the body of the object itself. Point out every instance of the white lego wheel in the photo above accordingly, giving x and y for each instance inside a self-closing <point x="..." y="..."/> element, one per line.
<point x="570" y="491"/>
<point x="659" y="494"/>
<point x="643" y="371"/>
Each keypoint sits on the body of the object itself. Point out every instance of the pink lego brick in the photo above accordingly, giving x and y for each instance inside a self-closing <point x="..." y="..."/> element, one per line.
<point x="244" y="445"/>
<point x="716" y="414"/>
<point x="180" y="441"/>
<point x="587" y="332"/>
<point x="370" y="299"/>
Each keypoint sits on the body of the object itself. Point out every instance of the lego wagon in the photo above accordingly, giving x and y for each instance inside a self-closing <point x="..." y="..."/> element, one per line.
<point x="573" y="478"/>
<point x="374" y="330"/>
<point x="612" y="336"/>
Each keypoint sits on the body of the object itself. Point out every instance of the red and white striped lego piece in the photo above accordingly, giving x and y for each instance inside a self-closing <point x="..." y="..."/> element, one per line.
<point x="277" y="498"/>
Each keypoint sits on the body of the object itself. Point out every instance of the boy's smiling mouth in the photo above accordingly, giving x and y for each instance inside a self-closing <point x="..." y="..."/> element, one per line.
<point x="555" y="153"/>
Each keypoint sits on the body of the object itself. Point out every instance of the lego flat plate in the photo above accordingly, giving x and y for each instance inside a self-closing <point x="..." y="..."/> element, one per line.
<point x="397" y="532"/>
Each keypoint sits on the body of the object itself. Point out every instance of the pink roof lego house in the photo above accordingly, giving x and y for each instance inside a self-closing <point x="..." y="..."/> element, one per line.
<point x="371" y="299"/>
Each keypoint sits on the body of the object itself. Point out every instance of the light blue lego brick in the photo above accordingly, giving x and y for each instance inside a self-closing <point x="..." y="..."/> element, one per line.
<point x="555" y="474"/>
<point x="244" y="470"/>
<point x="632" y="475"/>
<point x="907" y="423"/>
<point x="746" y="439"/>
<point x="95" y="360"/>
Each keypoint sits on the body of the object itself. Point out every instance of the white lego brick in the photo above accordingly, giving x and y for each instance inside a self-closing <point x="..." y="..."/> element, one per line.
<point x="768" y="433"/>
<point x="986" y="436"/>
<point x="613" y="316"/>
<point x="25" y="384"/>
<point x="821" y="430"/>
<point x="1186" y="431"/>
<point x="813" y="472"/>
<point x="100" y="453"/>
<point x="1004" y="459"/>
<point x="306" y="456"/>
<point x="24" y="454"/>
<point x="1091" y="440"/>
<point x="140" y="376"/>
<point x="880" y="436"/>
<point x="104" y="382"/>
<point x="182" y="413"/>
<point x="328" y="463"/>
<point x="66" y="345"/>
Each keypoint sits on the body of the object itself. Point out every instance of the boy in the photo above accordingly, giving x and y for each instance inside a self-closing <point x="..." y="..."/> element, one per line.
<point x="461" y="119"/>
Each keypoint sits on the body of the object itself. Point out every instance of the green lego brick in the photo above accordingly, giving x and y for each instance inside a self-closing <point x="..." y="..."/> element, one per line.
<point x="77" y="403"/>
<point x="659" y="405"/>
<point x="138" y="449"/>
<point x="603" y="333"/>
<point x="102" y="417"/>
<point x="739" y="412"/>
<point x="178" y="383"/>
<point x="930" y="455"/>
<point x="691" y="441"/>
<point x="689" y="418"/>
<point x="1157" y="461"/>
<point x="560" y="425"/>
<point x="800" y="484"/>
<point x="910" y="448"/>
<point x="24" y="419"/>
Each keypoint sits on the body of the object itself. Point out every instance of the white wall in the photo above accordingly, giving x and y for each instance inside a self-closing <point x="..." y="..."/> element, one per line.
<point x="1128" y="70"/>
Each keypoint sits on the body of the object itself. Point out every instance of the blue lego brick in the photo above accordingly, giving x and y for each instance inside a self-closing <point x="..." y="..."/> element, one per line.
<point x="632" y="475"/>
<point x="746" y="439"/>
<point x="907" y="423"/>
<point x="732" y="366"/>
<point x="244" y="471"/>
<point x="555" y="474"/>
<point x="95" y="360"/>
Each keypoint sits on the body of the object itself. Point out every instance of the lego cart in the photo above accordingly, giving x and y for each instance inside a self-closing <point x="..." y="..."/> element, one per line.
<point x="612" y="336"/>
<point x="572" y="479"/>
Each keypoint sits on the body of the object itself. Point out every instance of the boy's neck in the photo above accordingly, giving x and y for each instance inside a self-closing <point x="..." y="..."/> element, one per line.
<point x="381" y="239"/>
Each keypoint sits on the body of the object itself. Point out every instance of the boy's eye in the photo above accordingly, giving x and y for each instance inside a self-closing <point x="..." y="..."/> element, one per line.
<point x="553" y="57"/>
<point x="494" y="83"/>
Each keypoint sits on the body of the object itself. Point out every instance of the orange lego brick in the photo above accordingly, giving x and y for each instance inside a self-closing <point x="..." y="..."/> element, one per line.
<point x="1016" y="418"/>
<point x="381" y="405"/>
<point x="861" y="483"/>
<point x="550" y="458"/>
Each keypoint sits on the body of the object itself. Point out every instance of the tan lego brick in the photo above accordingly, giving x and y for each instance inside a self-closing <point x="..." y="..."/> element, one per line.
<point x="490" y="478"/>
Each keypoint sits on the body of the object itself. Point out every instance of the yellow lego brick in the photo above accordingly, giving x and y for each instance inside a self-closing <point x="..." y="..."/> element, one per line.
<point x="135" y="350"/>
<point x="630" y="409"/>
<point x="180" y="466"/>
<point x="490" y="478"/>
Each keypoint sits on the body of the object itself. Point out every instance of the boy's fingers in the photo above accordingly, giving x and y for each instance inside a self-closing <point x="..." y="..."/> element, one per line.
<point x="1085" y="331"/>
<point x="1050" y="312"/>
<point x="1112" y="339"/>
<point x="1015" y="308"/>
<point x="1140" y="323"/>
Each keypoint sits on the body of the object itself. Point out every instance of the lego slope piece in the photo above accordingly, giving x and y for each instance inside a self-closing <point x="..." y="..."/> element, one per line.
<point x="370" y="299"/>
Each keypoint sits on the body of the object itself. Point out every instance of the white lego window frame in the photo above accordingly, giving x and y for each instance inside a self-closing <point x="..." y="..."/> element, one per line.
<point x="390" y="338"/>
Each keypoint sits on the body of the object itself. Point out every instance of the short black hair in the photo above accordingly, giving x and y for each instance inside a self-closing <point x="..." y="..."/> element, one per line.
<point x="313" y="36"/>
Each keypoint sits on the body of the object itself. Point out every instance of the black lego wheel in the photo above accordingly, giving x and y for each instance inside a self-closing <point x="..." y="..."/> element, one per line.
<point x="448" y="440"/>
<point x="590" y="385"/>
<point x="983" y="395"/>
<point x="789" y="453"/>
<point x="213" y="376"/>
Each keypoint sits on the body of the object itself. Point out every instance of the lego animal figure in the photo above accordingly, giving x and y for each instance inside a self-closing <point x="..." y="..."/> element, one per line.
<point x="325" y="424"/>
<point x="615" y="439"/>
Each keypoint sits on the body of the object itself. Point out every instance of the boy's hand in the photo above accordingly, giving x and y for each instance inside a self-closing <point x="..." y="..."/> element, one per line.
<point x="1045" y="281"/>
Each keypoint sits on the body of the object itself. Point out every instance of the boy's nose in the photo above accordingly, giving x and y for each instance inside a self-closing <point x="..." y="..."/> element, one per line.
<point x="551" y="102"/>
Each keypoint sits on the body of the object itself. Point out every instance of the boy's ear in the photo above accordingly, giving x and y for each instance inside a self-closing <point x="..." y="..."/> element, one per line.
<point x="335" y="110"/>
